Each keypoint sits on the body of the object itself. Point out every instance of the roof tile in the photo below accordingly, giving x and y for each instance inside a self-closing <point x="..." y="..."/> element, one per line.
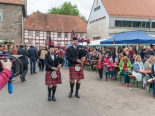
<point x="130" y="8"/>
<point x="56" y="23"/>
<point x="11" y="1"/>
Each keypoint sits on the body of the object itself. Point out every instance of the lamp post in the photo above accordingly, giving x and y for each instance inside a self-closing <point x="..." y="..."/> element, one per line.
<point x="150" y="24"/>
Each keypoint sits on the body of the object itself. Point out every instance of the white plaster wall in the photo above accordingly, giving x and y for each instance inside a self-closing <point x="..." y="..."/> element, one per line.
<point x="99" y="13"/>
<point x="101" y="27"/>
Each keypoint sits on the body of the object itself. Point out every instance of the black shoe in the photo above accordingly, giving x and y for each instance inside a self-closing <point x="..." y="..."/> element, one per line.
<point x="34" y="72"/>
<point x="70" y="94"/>
<point x="24" y="79"/>
<point x="49" y="98"/>
<point x="77" y="95"/>
<point x="54" y="99"/>
<point x="21" y="78"/>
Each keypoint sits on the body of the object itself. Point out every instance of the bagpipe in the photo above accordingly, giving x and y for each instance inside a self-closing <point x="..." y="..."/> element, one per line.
<point x="15" y="69"/>
<point x="81" y="50"/>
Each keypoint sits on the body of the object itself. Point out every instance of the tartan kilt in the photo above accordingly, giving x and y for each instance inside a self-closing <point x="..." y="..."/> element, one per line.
<point x="76" y="74"/>
<point x="50" y="81"/>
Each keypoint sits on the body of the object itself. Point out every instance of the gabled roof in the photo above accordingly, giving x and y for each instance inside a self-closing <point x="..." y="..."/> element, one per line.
<point x="130" y="8"/>
<point x="54" y="23"/>
<point x="11" y="2"/>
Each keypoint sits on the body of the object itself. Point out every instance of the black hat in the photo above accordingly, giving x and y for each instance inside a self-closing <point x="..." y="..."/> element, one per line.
<point x="51" y="46"/>
<point x="75" y="38"/>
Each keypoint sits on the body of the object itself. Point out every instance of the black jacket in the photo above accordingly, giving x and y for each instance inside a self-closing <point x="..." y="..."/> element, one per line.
<point x="32" y="52"/>
<point x="72" y="56"/>
<point x="50" y="63"/>
<point x="153" y="71"/>
<point x="142" y="53"/>
<point x="24" y="58"/>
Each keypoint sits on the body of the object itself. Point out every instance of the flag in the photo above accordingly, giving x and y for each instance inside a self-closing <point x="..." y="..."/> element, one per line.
<point x="114" y="41"/>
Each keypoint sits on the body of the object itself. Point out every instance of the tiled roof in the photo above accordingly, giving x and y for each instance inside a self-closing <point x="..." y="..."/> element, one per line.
<point x="54" y="23"/>
<point x="130" y="8"/>
<point x="11" y="2"/>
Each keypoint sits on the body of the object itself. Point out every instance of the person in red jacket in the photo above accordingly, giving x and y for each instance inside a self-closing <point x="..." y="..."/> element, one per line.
<point x="5" y="74"/>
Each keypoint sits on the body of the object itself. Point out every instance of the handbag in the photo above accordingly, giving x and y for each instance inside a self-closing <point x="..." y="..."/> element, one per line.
<point x="77" y="67"/>
<point x="99" y="65"/>
<point x="53" y="74"/>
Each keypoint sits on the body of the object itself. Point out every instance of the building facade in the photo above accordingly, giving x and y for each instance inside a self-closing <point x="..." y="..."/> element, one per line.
<point x="12" y="14"/>
<point x="109" y="17"/>
<point x="39" y="26"/>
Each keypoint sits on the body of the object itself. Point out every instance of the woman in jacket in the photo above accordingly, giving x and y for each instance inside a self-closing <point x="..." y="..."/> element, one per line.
<point x="138" y="65"/>
<point x="53" y="77"/>
<point x="125" y="69"/>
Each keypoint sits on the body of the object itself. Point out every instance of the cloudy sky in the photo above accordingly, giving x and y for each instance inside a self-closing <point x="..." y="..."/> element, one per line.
<point x="43" y="5"/>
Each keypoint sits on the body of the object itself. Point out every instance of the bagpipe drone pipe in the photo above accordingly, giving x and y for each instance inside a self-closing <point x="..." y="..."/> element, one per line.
<point x="15" y="69"/>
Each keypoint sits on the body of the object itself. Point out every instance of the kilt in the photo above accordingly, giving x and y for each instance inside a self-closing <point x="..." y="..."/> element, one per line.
<point x="76" y="74"/>
<point x="50" y="81"/>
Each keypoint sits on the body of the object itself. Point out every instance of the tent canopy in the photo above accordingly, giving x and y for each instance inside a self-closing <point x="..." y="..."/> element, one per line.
<point x="134" y="37"/>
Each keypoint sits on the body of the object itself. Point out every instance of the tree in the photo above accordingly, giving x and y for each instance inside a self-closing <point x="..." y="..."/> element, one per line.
<point x="83" y="18"/>
<point x="38" y="11"/>
<point x="67" y="9"/>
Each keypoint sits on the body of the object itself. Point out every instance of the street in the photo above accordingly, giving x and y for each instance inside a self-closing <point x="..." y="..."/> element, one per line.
<point x="98" y="98"/>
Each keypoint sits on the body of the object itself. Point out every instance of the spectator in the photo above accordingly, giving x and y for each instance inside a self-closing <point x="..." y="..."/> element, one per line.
<point x="125" y="69"/>
<point x="153" y="76"/>
<point x="142" y="53"/>
<point x="24" y="61"/>
<point x="138" y="65"/>
<point x="110" y="69"/>
<point x="32" y="53"/>
<point x="148" y="52"/>
<point x="148" y="63"/>
<point x="41" y="53"/>
<point x="113" y="54"/>
<point x="14" y="50"/>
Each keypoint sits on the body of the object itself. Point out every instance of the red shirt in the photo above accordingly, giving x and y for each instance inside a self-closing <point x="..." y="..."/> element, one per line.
<point x="125" y="66"/>
<point x="15" y="52"/>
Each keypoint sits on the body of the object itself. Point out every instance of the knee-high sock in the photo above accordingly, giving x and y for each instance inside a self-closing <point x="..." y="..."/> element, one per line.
<point x="72" y="86"/>
<point x="77" y="87"/>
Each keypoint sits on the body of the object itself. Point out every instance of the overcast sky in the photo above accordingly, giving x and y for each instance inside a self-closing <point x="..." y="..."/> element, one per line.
<point x="44" y="5"/>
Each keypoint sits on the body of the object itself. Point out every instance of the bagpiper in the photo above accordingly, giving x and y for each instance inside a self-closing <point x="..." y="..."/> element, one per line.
<point x="53" y="76"/>
<point x="76" y="56"/>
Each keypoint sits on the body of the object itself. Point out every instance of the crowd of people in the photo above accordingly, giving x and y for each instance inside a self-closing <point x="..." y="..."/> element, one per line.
<point x="121" y="60"/>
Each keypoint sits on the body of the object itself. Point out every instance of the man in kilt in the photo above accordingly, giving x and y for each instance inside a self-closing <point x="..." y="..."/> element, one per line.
<point x="52" y="77"/>
<point x="75" y="66"/>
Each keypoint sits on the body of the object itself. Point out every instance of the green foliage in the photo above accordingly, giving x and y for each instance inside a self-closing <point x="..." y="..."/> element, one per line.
<point x="67" y="9"/>
<point x="38" y="11"/>
<point x="83" y="18"/>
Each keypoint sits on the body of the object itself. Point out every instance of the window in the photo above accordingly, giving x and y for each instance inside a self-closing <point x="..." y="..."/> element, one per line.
<point x="127" y="23"/>
<point x="59" y="34"/>
<point x="48" y="34"/>
<point x="66" y="34"/>
<point x="143" y="25"/>
<point x="147" y="24"/>
<point x="136" y="24"/>
<point x="153" y="25"/>
<point x="96" y="38"/>
<point x="0" y="15"/>
<point x="118" y="23"/>
<point x="30" y="33"/>
<point x="37" y="33"/>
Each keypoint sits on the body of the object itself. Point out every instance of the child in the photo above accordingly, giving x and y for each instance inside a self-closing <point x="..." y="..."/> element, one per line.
<point x="110" y="68"/>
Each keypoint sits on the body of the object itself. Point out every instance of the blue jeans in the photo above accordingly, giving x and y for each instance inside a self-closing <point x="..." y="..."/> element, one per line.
<point x="153" y="88"/>
<point x="33" y="65"/>
<point x="41" y="64"/>
<point x="112" y="73"/>
<point x="66" y="62"/>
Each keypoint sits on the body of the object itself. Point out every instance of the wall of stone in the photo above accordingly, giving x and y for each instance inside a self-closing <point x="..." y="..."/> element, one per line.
<point x="11" y="24"/>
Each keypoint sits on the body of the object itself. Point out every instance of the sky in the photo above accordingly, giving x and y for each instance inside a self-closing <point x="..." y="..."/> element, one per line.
<point x="84" y="6"/>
